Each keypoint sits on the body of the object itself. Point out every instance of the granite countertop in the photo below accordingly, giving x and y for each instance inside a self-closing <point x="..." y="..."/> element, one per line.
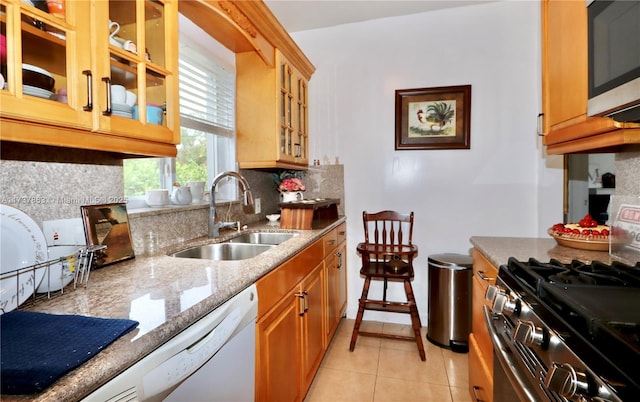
<point x="165" y="294"/>
<point x="499" y="249"/>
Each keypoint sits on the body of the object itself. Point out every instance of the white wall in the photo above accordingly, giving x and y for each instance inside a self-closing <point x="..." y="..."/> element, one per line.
<point x="502" y="186"/>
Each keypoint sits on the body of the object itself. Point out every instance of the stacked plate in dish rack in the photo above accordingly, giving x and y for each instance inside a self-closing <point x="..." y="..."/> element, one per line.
<point x="22" y="245"/>
<point x="122" y="110"/>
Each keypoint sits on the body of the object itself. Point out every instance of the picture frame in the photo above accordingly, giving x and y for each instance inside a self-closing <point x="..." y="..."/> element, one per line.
<point x="433" y="118"/>
<point x="108" y="224"/>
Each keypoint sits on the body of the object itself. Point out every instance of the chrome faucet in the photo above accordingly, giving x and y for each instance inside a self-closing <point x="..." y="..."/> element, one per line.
<point x="247" y="202"/>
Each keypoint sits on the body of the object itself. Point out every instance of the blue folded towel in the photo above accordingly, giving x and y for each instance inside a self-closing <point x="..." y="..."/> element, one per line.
<point x="37" y="348"/>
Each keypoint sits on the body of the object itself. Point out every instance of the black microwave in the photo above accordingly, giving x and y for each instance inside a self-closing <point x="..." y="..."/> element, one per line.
<point x="614" y="59"/>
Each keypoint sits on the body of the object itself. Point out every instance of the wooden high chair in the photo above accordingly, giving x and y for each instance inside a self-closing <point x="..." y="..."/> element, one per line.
<point x="388" y="255"/>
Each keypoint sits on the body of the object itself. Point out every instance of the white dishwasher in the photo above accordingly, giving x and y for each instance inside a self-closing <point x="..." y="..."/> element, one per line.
<point x="211" y="360"/>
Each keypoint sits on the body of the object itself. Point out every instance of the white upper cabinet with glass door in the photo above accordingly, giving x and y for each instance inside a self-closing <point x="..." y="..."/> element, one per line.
<point x="95" y="51"/>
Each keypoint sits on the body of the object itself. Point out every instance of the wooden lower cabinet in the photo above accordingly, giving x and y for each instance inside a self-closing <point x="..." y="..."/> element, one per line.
<point x="480" y="346"/>
<point x="291" y="342"/>
<point x="336" y="272"/>
<point x="297" y="304"/>
<point x="311" y="314"/>
<point x="277" y="353"/>
<point x="480" y="375"/>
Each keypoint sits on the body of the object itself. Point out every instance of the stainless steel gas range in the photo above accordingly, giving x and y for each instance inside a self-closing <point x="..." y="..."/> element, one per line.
<point x="565" y="332"/>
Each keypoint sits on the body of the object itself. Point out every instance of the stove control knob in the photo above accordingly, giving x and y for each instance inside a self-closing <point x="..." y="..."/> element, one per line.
<point x="504" y="304"/>
<point x="566" y="381"/>
<point x="526" y="332"/>
<point x="491" y="292"/>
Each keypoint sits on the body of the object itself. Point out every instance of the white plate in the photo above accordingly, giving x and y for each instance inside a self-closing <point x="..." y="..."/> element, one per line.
<point x="121" y="107"/>
<point x="37" y="69"/>
<point x="22" y="244"/>
<point x="61" y="273"/>
<point x="122" y="114"/>
<point x="35" y="91"/>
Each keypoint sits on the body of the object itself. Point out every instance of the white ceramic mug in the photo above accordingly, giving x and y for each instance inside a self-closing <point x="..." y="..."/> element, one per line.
<point x="130" y="98"/>
<point x="114" y="28"/>
<point x="157" y="198"/>
<point x="197" y="191"/>
<point x="181" y="195"/>
<point x="118" y="94"/>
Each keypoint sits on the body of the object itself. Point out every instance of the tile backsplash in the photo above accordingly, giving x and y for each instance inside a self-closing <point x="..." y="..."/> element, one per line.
<point x="49" y="191"/>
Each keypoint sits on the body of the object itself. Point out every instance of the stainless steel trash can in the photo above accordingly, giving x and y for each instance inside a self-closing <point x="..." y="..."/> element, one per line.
<point x="449" y="286"/>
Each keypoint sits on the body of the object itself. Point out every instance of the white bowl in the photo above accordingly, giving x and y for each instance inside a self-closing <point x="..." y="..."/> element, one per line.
<point x="273" y="217"/>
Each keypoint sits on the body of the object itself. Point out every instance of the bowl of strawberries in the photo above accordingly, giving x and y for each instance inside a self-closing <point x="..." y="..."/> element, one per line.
<point x="587" y="234"/>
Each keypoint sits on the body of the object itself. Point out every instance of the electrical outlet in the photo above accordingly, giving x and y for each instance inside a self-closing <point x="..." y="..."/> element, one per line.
<point x="256" y="205"/>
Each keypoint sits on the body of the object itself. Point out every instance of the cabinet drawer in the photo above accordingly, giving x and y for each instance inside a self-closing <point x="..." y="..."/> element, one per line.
<point x="342" y="232"/>
<point x="478" y="324"/>
<point x="275" y="285"/>
<point x="330" y="241"/>
<point x="480" y="374"/>
<point x="483" y="269"/>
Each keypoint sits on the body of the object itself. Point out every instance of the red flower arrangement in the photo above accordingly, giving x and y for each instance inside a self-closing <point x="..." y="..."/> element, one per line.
<point x="291" y="184"/>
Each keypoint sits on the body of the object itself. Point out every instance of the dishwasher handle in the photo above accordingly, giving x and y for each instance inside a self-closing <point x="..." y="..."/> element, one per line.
<point x="178" y="367"/>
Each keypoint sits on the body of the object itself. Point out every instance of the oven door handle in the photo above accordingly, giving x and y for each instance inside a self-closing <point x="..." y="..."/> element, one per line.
<point x="521" y="384"/>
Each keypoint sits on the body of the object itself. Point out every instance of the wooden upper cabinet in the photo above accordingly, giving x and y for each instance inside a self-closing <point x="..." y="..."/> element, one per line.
<point x="56" y="46"/>
<point x="272" y="78"/>
<point x="85" y="61"/>
<point x="272" y="112"/>
<point x="564" y="58"/>
<point x="565" y="124"/>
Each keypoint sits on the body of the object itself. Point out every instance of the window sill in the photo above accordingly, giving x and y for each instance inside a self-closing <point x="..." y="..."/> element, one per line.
<point x="169" y="209"/>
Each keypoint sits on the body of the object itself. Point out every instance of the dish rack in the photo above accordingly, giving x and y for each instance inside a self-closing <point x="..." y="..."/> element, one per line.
<point x="26" y="284"/>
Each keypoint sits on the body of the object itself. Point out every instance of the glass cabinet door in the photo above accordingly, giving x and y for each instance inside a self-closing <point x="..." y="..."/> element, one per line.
<point x="286" y="113"/>
<point x="302" y="125"/>
<point x="45" y="62"/>
<point x="136" y="88"/>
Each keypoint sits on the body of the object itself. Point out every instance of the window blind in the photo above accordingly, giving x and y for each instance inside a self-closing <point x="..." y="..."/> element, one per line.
<point x="206" y="94"/>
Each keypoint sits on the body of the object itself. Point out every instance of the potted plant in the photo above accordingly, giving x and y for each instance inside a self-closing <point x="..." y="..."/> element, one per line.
<point x="290" y="185"/>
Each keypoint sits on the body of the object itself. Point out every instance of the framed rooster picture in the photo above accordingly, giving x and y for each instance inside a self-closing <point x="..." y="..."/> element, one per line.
<point x="433" y="118"/>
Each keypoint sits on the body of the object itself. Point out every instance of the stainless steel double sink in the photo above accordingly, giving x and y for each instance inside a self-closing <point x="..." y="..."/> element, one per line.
<point x="241" y="247"/>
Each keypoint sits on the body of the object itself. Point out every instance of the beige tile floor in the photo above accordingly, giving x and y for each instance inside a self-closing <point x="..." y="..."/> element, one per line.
<point x="381" y="370"/>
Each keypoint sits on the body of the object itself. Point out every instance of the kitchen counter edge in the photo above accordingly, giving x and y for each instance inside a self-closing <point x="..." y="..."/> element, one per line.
<point x="499" y="249"/>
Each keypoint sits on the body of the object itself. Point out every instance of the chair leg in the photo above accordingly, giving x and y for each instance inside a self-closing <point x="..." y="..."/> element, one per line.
<point x="384" y="290"/>
<point x="415" y="318"/>
<point x="361" y="305"/>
